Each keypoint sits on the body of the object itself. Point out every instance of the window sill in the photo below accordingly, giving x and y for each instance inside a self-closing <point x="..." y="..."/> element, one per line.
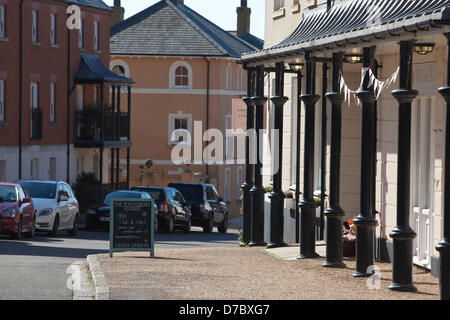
<point x="172" y="145"/>
<point x="295" y="8"/>
<point x="4" y="124"/>
<point x="82" y="49"/>
<point x="279" y="13"/>
<point x="98" y="51"/>
<point x="36" y="43"/>
<point x="180" y="88"/>
<point x="54" y="46"/>
<point x="4" y="39"/>
<point x="53" y="123"/>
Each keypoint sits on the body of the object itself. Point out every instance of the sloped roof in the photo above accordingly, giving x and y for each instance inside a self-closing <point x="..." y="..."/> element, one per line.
<point x="348" y="22"/>
<point x="96" y="4"/>
<point x="250" y="39"/>
<point x="168" y="29"/>
<point x="92" y="70"/>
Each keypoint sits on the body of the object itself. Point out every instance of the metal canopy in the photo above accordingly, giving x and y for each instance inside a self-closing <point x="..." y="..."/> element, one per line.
<point x="357" y="22"/>
<point x="92" y="71"/>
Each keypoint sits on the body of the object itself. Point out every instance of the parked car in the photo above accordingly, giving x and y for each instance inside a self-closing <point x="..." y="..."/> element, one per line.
<point x="173" y="210"/>
<point x="207" y="208"/>
<point x="98" y="215"/>
<point x="16" y="211"/>
<point x="55" y="204"/>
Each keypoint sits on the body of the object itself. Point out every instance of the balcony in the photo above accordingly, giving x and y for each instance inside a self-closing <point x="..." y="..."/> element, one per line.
<point x="36" y="124"/>
<point x="96" y="129"/>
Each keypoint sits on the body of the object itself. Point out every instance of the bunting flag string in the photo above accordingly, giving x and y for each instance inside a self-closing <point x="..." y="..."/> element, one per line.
<point x="377" y="85"/>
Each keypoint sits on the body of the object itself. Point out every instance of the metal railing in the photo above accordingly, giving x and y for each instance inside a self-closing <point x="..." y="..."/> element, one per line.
<point x="116" y="126"/>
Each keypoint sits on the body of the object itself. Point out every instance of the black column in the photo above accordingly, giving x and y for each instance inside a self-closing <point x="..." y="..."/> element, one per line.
<point x="444" y="246"/>
<point x="297" y="157"/>
<point x="334" y="214"/>
<point x="365" y="222"/>
<point x="248" y="184"/>
<point x="277" y="196"/>
<point x="129" y="137"/>
<point x="403" y="235"/>
<point x="113" y="104"/>
<point x="323" y="152"/>
<point x="102" y="112"/>
<point x="118" y="134"/>
<point x="257" y="192"/>
<point x="308" y="205"/>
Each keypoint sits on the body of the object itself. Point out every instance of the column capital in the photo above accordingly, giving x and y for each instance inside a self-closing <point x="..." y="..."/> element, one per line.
<point x="445" y="93"/>
<point x="366" y="96"/>
<point x="334" y="212"/>
<point x="248" y="101"/>
<point x="362" y="221"/>
<point x="259" y="101"/>
<point x="309" y="98"/>
<point x="335" y="97"/>
<point x="279" y="101"/>
<point x="405" y="95"/>
<point x="443" y="246"/>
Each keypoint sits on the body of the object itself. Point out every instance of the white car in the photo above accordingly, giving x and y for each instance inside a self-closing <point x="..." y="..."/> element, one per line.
<point x="55" y="204"/>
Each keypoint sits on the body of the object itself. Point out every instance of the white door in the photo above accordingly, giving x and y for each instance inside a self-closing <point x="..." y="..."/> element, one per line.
<point x="422" y="177"/>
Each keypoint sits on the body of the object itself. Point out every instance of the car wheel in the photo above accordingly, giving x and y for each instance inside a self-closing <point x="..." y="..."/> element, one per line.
<point x="31" y="234"/>
<point x="18" y="235"/>
<point x="208" y="225"/>
<point x="223" y="228"/>
<point x="73" y="232"/>
<point x="55" y="227"/>
<point x="170" y="227"/>
<point x="188" y="226"/>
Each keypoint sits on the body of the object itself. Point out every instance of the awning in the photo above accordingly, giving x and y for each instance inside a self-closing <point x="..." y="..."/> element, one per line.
<point x="356" y="23"/>
<point x="92" y="71"/>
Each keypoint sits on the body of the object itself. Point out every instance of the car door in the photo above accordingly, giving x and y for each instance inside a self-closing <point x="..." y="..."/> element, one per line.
<point x="184" y="206"/>
<point x="26" y="209"/>
<point x="178" y="203"/>
<point x="222" y="206"/>
<point x="213" y="201"/>
<point x="62" y="206"/>
<point x="72" y="205"/>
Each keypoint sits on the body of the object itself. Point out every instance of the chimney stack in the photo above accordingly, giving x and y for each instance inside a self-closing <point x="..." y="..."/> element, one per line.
<point x="118" y="13"/>
<point x="243" y="19"/>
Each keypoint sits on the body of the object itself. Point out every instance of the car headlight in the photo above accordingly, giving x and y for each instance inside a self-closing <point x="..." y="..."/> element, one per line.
<point x="45" y="212"/>
<point x="9" y="213"/>
<point x="91" y="211"/>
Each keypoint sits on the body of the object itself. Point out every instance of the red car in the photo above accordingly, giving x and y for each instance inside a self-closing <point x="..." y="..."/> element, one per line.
<point x="16" y="211"/>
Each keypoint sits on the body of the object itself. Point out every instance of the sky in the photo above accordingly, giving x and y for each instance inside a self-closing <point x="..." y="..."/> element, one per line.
<point x="222" y="13"/>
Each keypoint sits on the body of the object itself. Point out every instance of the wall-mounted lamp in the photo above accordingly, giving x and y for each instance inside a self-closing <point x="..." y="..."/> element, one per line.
<point x="424" y="48"/>
<point x="296" y="67"/>
<point x="353" y="58"/>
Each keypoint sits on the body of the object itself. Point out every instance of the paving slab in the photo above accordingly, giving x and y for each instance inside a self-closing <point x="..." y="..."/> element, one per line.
<point x="233" y="273"/>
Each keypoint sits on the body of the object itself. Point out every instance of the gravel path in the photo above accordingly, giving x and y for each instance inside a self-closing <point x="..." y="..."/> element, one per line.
<point x="244" y="273"/>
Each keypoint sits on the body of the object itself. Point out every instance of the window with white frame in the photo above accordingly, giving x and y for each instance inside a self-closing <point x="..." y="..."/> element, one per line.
<point x="80" y="35"/>
<point x="2" y="22"/>
<point x="239" y="181"/>
<point x="227" y="185"/>
<point x="96" y="46"/>
<point x="34" y="26"/>
<point x="229" y="139"/>
<point x="278" y="4"/>
<point x="52" y="101"/>
<point x="180" y="128"/>
<point x="180" y="75"/>
<point x="80" y="97"/>
<point x="52" y="29"/>
<point x="34" y="169"/>
<point x="229" y="78"/>
<point x="2" y="100"/>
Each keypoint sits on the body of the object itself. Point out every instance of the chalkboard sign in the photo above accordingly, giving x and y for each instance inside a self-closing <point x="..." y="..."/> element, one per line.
<point x="132" y="226"/>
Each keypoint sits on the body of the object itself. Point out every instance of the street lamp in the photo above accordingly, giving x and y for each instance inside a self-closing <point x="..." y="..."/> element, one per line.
<point x="424" y="48"/>
<point x="353" y="58"/>
<point x="296" y="67"/>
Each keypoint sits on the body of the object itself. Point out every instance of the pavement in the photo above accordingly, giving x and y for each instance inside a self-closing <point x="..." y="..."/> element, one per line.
<point x="234" y="273"/>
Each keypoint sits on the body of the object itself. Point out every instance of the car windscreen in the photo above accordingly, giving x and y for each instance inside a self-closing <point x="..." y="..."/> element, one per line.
<point x="8" y="194"/>
<point x="121" y="195"/>
<point x="39" y="190"/>
<point x="190" y="192"/>
<point x="157" y="194"/>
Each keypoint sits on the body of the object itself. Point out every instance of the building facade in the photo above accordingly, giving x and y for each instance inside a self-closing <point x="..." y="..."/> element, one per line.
<point x="186" y="74"/>
<point x="39" y="59"/>
<point x="387" y="178"/>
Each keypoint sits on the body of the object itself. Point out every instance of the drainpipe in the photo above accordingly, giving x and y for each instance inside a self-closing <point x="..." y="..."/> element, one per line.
<point x="208" y="71"/>
<point x="20" y="85"/>
<point x="68" y="106"/>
